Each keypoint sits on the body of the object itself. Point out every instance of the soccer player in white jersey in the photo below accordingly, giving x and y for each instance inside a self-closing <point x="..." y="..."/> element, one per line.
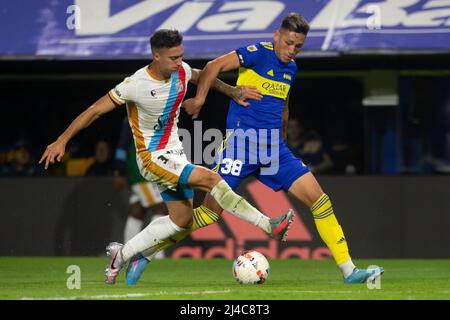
<point x="153" y="97"/>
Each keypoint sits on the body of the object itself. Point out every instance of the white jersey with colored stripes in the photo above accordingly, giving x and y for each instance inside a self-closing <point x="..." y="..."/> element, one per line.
<point x="153" y="107"/>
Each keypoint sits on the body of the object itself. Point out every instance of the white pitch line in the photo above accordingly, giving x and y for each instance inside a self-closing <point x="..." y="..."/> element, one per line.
<point x="211" y="292"/>
<point x="129" y="295"/>
<point x="347" y="292"/>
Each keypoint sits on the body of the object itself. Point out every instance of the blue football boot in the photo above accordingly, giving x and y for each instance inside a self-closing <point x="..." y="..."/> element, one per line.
<point x="135" y="269"/>
<point x="364" y="275"/>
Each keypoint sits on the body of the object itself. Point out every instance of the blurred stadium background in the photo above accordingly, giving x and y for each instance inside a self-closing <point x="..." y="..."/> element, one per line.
<point x="373" y="92"/>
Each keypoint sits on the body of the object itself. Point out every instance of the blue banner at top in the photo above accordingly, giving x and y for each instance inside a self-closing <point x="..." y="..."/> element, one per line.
<point x="117" y="29"/>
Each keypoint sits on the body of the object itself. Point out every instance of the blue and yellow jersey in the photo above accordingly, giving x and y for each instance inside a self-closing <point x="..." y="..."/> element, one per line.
<point x="260" y="67"/>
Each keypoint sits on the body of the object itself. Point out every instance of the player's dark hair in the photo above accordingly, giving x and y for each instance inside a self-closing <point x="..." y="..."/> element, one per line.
<point x="165" y="38"/>
<point x="296" y="23"/>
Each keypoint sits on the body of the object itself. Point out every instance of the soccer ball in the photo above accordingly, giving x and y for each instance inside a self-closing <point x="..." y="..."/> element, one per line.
<point x="251" y="267"/>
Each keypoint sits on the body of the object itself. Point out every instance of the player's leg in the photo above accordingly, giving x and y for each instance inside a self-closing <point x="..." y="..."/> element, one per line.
<point x="233" y="164"/>
<point x="179" y="218"/>
<point x="157" y="211"/>
<point x="202" y="217"/>
<point x="151" y="199"/>
<point x="275" y="227"/>
<point x="206" y="180"/>
<point x="145" y="197"/>
<point x="295" y="178"/>
<point x="158" y="167"/>
<point x="220" y="195"/>
<point x="210" y="211"/>
<point x="210" y="181"/>
<point x="307" y="190"/>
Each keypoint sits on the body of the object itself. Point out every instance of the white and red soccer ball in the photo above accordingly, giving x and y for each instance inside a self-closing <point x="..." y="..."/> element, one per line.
<point x="251" y="267"/>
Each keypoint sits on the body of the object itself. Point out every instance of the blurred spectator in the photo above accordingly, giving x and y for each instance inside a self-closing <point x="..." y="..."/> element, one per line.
<point x="103" y="164"/>
<point x="22" y="163"/>
<point x="342" y="156"/>
<point x="295" y="133"/>
<point x="314" y="154"/>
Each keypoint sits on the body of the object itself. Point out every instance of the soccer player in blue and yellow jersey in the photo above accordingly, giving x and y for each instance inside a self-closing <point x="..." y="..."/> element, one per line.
<point x="271" y="69"/>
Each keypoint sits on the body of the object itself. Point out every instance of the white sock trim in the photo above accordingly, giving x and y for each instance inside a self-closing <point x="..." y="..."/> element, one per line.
<point x="347" y="268"/>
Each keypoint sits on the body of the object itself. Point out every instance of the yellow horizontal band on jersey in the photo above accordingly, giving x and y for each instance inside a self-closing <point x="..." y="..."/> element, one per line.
<point x="268" y="87"/>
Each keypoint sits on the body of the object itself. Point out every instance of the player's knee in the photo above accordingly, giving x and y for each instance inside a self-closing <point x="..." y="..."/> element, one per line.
<point x="183" y="222"/>
<point x="211" y="179"/>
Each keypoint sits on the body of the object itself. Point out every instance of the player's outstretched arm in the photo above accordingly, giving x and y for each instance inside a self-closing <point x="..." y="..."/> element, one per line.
<point x="207" y="77"/>
<point x="55" y="151"/>
<point x="238" y="93"/>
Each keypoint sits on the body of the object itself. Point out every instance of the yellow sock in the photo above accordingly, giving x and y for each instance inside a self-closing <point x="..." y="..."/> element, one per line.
<point x="329" y="229"/>
<point x="202" y="217"/>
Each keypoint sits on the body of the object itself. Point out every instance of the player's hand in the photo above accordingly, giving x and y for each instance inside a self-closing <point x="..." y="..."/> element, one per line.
<point x="55" y="151"/>
<point x="193" y="107"/>
<point x="242" y="93"/>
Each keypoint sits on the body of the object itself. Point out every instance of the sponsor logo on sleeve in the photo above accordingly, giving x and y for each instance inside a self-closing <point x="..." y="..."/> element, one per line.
<point x="117" y="92"/>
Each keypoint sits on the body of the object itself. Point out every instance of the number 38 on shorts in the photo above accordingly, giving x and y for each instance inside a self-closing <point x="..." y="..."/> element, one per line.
<point x="230" y="166"/>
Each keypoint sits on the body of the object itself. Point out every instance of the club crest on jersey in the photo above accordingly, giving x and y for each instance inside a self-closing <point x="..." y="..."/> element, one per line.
<point x="153" y="93"/>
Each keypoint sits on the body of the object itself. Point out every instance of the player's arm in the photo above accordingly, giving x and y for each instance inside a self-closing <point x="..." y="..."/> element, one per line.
<point x="207" y="77"/>
<point x="237" y="93"/>
<point x="55" y="151"/>
<point x="285" y="119"/>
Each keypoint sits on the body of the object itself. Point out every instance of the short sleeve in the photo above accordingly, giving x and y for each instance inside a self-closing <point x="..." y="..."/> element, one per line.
<point x="188" y="70"/>
<point x="249" y="55"/>
<point x="123" y="92"/>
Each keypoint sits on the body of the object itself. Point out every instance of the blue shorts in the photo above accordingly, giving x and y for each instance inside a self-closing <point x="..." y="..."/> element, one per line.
<point x="274" y="164"/>
<point x="183" y="191"/>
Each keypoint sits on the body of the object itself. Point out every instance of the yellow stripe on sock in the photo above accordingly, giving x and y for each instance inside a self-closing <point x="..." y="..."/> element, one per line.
<point x="195" y="223"/>
<point x="329" y="229"/>
<point x="213" y="215"/>
<point x="322" y="199"/>
<point x="203" y="217"/>
<point x="324" y="214"/>
<point x="200" y="217"/>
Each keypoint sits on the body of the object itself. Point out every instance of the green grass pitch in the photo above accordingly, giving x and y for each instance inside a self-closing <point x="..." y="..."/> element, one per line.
<point x="187" y="279"/>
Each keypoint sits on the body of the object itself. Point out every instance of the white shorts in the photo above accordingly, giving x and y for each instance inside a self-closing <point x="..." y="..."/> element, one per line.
<point x="145" y="193"/>
<point x="165" y="168"/>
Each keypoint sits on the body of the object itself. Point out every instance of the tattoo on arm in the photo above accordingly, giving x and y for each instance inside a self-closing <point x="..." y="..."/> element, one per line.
<point x="226" y="89"/>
